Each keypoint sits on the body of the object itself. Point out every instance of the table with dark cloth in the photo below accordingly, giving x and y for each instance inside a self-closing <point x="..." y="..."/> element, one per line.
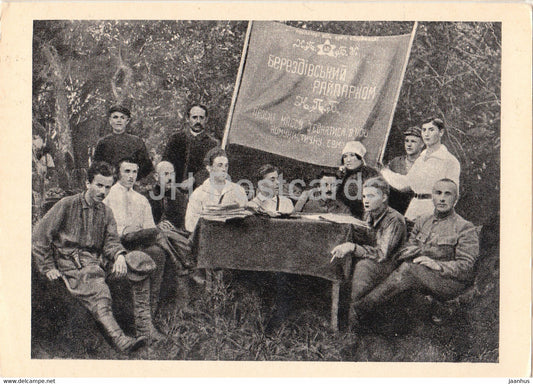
<point x="294" y="245"/>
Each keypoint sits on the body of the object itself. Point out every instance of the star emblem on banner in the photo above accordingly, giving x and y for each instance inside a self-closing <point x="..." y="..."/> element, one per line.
<point x="326" y="48"/>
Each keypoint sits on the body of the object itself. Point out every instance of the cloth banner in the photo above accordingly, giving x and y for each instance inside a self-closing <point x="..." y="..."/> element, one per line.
<point x="304" y="94"/>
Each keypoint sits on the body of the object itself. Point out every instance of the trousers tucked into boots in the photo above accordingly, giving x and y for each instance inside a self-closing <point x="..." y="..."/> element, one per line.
<point x="142" y="311"/>
<point x="159" y="256"/>
<point x="123" y="343"/>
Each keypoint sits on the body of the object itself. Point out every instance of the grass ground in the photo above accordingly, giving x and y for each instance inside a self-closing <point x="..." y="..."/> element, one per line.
<point x="228" y="323"/>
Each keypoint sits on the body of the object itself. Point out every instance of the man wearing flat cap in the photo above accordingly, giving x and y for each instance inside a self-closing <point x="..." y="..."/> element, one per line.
<point x="413" y="145"/>
<point x="119" y="144"/>
<point x="77" y="241"/>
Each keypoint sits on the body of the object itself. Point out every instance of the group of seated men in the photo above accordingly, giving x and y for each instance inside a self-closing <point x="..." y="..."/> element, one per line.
<point x="438" y="258"/>
<point x="109" y="230"/>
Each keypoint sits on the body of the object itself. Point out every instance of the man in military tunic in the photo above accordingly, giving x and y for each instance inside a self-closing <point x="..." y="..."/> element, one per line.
<point x="439" y="257"/>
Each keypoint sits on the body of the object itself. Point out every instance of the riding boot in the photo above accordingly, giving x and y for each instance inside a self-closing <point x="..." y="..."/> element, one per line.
<point x="120" y="341"/>
<point x="142" y="311"/>
<point x="155" y="288"/>
<point x="156" y="277"/>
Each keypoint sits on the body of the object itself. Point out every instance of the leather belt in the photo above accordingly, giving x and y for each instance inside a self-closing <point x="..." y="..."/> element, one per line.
<point x="423" y="196"/>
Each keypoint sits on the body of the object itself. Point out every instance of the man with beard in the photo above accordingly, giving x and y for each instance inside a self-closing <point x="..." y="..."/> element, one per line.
<point x="168" y="202"/>
<point x="187" y="148"/>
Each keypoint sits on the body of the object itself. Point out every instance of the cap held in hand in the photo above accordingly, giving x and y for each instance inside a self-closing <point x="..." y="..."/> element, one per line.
<point x="140" y="265"/>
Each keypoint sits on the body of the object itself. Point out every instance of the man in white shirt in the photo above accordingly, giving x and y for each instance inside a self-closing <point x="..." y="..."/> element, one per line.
<point x="433" y="164"/>
<point x="132" y="210"/>
<point x="137" y="230"/>
<point x="268" y="196"/>
<point x="217" y="190"/>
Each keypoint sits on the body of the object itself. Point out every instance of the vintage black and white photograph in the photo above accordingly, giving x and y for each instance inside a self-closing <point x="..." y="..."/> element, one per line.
<point x="251" y="190"/>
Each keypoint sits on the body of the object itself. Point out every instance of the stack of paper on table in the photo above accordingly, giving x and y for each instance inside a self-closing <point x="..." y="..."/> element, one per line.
<point x="224" y="212"/>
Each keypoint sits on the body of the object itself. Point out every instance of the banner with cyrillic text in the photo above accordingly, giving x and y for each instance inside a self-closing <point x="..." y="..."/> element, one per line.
<point x="304" y="94"/>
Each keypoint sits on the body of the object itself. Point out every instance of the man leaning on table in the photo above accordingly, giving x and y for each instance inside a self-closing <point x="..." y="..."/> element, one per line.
<point x="216" y="190"/>
<point x="375" y="263"/>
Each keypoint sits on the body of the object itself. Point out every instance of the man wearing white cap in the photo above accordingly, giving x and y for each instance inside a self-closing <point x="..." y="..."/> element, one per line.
<point x="355" y="173"/>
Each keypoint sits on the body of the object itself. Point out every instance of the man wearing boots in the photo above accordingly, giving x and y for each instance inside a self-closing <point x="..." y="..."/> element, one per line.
<point x="375" y="262"/>
<point x="438" y="259"/>
<point x="77" y="239"/>
<point x="136" y="228"/>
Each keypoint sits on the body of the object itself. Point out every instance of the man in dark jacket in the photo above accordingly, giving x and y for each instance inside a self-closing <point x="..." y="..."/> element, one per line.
<point x="119" y="144"/>
<point x="322" y="199"/>
<point x="187" y="148"/>
<point x="375" y="262"/>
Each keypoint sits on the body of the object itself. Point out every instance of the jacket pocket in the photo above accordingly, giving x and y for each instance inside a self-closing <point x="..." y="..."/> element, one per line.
<point x="447" y="240"/>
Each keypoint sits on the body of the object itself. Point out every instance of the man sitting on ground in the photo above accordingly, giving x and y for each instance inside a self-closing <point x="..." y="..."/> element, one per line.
<point x="323" y="199"/>
<point x="137" y="231"/>
<point x="68" y="243"/>
<point x="439" y="257"/>
<point x="375" y="263"/>
<point x="217" y="190"/>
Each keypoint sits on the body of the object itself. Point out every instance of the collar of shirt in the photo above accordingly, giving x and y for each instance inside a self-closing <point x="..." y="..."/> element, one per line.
<point x="407" y="161"/>
<point x="375" y="221"/>
<point x="208" y="188"/>
<point x="263" y="198"/>
<point x="197" y="135"/>
<point x="326" y="202"/>
<point x="449" y="216"/>
<point x="441" y="153"/>
<point x="85" y="204"/>
<point x="122" y="188"/>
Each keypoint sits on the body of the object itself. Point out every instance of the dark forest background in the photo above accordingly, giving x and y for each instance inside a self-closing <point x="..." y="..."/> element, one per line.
<point x="157" y="68"/>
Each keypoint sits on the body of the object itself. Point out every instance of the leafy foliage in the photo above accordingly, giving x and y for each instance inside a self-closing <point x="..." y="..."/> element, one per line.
<point x="159" y="67"/>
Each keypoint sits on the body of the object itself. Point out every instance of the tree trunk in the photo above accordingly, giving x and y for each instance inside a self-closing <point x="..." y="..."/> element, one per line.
<point x="61" y="136"/>
<point x="122" y="79"/>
